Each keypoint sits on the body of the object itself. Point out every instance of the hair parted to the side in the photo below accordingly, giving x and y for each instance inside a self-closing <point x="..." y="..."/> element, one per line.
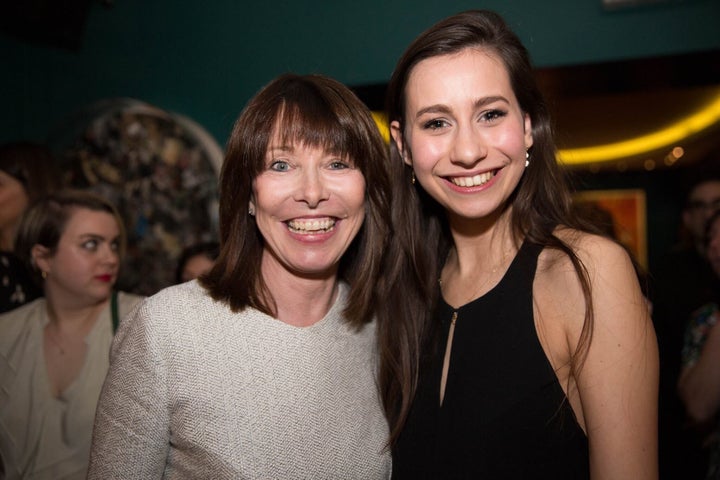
<point x="45" y="221"/>
<point x="540" y="202"/>
<point x="316" y="111"/>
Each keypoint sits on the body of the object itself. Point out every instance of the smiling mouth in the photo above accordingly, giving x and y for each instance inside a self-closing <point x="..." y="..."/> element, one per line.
<point x="305" y="227"/>
<point x="474" y="181"/>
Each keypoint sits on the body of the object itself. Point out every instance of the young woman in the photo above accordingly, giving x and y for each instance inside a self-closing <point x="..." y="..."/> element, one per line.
<point x="538" y="359"/>
<point x="265" y="368"/>
<point x="54" y="351"/>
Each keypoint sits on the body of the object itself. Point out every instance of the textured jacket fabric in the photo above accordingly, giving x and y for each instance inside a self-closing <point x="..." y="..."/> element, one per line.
<point x="43" y="436"/>
<point x="197" y="391"/>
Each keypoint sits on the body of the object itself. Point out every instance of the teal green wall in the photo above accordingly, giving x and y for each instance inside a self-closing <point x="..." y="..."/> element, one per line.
<point x="205" y="59"/>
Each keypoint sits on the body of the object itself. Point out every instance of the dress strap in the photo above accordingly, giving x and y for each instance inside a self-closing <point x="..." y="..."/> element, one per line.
<point x="114" y="311"/>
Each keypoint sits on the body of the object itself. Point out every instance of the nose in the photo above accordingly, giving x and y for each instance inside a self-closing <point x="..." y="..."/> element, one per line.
<point x="110" y="255"/>
<point x="311" y="188"/>
<point x="468" y="146"/>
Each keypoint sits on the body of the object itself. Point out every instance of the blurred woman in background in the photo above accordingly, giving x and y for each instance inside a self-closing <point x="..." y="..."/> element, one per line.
<point x="54" y="351"/>
<point x="196" y="260"/>
<point x="699" y="382"/>
<point x="27" y="172"/>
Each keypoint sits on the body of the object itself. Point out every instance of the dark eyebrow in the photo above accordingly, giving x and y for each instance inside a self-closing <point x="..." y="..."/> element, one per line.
<point x="95" y="236"/>
<point x="444" y="109"/>
<point x="432" y="109"/>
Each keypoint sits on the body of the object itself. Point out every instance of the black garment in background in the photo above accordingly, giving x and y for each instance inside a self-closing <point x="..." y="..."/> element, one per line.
<point x="505" y="415"/>
<point x="16" y="286"/>
<point x="681" y="283"/>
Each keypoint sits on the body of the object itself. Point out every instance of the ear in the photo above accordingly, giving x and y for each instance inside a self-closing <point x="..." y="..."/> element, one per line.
<point x="397" y="137"/>
<point x="528" y="132"/>
<point x="251" y="203"/>
<point x="40" y="257"/>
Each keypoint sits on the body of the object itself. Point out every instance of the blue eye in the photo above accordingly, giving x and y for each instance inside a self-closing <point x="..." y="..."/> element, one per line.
<point x="280" y="166"/>
<point x="339" y="165"/>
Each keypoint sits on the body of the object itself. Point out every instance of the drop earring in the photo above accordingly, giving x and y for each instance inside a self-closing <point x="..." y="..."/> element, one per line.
<point x="527" y="158"/>
<point x="412" y="178"/>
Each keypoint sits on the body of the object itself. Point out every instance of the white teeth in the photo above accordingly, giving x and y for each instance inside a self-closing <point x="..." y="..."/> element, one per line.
<point x="311" y="226"/>
<point x="473" y="181"/>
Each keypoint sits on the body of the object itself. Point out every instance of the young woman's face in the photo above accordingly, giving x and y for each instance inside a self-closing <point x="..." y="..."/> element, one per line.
<point x="85" y="264"/>
<point x="309" y="206"/>
<point x="713" y="249"/>
<point x="703" y="201"/>
<point x="466" y="135"/>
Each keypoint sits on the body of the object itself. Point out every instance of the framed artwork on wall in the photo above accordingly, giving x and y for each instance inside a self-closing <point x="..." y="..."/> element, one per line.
<point x="159" y="168"/>
<point x="622" y="213"/>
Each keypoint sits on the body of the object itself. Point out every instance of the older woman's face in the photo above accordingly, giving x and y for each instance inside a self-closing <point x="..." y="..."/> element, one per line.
<point x="309" y="206"/>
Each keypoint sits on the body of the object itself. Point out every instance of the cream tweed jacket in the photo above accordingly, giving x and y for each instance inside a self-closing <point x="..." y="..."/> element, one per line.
<point x="197" y="391"/>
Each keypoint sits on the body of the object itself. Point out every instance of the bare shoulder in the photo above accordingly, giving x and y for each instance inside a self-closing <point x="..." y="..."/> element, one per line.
<point x="610" y="274"/>
<point x="598" y="256"/>
<point x="614" y="392"/>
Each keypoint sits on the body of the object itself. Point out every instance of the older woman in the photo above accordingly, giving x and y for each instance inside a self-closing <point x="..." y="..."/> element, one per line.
<point x="54" y="351"/>
<point x="265" y="368"/>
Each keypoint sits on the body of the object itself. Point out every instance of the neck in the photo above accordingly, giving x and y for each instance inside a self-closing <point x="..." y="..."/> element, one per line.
<point x="70" y="310"/>
<point x="73" y="318"/>
<point x="477" y="262"/>
<point x="479" y="244"/>
<point x="300" y="301"/>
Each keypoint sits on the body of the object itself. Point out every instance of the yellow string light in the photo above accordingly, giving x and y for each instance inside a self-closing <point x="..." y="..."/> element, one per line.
<point x="664" y="138"/>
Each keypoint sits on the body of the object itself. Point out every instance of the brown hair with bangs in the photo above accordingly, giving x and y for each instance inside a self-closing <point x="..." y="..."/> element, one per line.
<point x="316" y="111"/>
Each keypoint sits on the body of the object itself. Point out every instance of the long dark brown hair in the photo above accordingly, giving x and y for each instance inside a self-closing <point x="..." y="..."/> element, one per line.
<point x="319" y="112"/>
<point x="422" y="239"/>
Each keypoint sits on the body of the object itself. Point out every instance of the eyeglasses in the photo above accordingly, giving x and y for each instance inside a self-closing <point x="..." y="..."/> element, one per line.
<point x="698" y="205"/>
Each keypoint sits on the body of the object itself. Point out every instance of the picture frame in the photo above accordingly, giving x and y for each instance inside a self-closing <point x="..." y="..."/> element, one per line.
<point x="623" y="212"/>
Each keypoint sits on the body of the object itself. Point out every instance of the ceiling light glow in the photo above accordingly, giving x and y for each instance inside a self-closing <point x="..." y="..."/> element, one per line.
<point x="680" y="130"/>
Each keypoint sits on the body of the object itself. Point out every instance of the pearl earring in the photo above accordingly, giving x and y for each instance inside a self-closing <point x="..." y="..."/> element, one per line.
<point x="527" y="158"/>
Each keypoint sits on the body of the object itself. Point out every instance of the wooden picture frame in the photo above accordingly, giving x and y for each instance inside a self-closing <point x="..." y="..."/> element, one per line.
<point x="627" y="214"/>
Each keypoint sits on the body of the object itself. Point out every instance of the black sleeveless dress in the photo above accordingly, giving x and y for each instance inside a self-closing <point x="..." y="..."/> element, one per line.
<point x="504" y="415"/>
